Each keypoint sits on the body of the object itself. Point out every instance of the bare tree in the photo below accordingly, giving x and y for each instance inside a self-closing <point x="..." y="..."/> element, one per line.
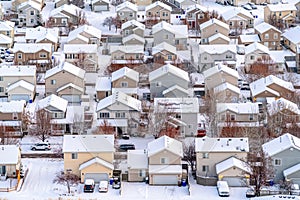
<point x="105" y="128"/>
<point x="42" y="127"/>
<point x="78" y="124"/>
<point x="67" y="179"/>
<point x="108" y="21"/>
<point x="189" y="153"/>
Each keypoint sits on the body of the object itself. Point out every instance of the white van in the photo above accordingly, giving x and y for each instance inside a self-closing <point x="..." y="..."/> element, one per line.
<point x="103" y="186"/>
<point x="223" y="188"/>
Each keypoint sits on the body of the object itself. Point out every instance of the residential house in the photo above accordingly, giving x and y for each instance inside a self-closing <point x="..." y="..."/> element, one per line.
<point x="269" y="35"/>
<point x="100" y="5"/>
<point x="120" y="111"/>
<point x="142" y="3"/>
<point x="5" y="41"/>
<point x="18" y="82"/>
<point x="284" y="13"/>
<point x="86" y="33"/>
<point x="59" y="3"/>
<point x="182" y="114"/>
<point x="133" y="27"/>
<point x="291" y="38"/>
<point x="11" y="118"/>
<point x="227" y="93"/>
<point x="89" y="156"/>
<point x="271" y="86"/>
<point x="7" y="29"/>
<point x="125" y="80"/>
<point x="133" y="39"/>
<point x="129" y="54"/>
<point x="238" y="20"/>
<point x="169" y="81"/>
<point x="214" y="156"/>
<point x="103" y="87"/>
<point x="164" y="158"/>
<point x="195" y="16"/>
<point x="29" y="14"/>
<point x="248" y="39"/>
<point x="210" y="54"/>
<point x="256" y="53"/>
<point x="212" y="27"/>
<point x="39" y="54"/>
<point x="218" y="38"/>
<point x="16" y="3"/>
<point x="137" y="162"/>
<point x="64" y="15"/>
<point x="84" y="56"/>
<point x="164" y="52"/>
<point x="10" y="161"/>
<point x="175" y="35"/>
<point x="283" y="60"/>
<point x="126" y="11"/>
<point x="184" y="4"/>
<point x="284" y="152"/>
<point x="157" y="12"/>
<point x="66" y="81"/>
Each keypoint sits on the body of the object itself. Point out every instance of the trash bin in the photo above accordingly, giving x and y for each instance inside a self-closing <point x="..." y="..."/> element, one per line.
<point x="271" y="183"/>
<point x="30" y="100"/>
<point x="147" y="180"/>
<point x="111" y="181"/>
<point x="183" y="183"/>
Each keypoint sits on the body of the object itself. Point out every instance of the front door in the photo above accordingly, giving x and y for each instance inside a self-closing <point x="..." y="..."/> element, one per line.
<point x="3" y="170"/>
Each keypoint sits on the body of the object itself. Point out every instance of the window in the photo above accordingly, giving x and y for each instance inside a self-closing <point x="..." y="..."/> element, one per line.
<point x="163" y="14"/>
<point x="130" y="14"/>
<point x="137" y="56"/>
<point x="43" y="55"/>
<point x="158" y="84"/>
<point x="163" y="161"/>
<point x="176" y="42"/>
<point x="31" y="21"/>
<point x="230" y="24"/>
<point x="266" y="36"/>
<point x="31" y="12"/>
<point x="169" y="57"/>
<point x="149" y="13"/>
<point x="251" y="57"/>
<point x="205" y="168"/>
<point x="124" y="84"/>
<point x="205" y="58"/>
<point x="275" y="36"/>
<point x="126" y="32"/>
<point x="120" y="115"/>
<point x="228" y="56"/>
<point x="1" y="89"/>
<point x="241" y="23"/>
<point x="190" y="126"/>
<point x="142" y="173"/>
<point x="166" y="36"/>
<point x="251" y="117"/>
<point x="232" y="117"/>
<point x="19" y="56"/>
<point x="64" y="21"/>
<point x="279" y="13"/>
<point x="104" y="115"/>
<point x="74" y="156"/>
<point x="277" y="162"/>
<point x="205" y="155"/>
<point x="120" y="13"/>
<point x="15" y="115"/>
<point x="178" y="116"/>
<point x="1" y="78"/>
<point x="53" y="82"/>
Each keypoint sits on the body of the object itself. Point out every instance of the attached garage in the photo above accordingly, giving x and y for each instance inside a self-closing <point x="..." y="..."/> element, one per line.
<point x="99" y="8"/>
<point x="96" y="176"/>
<point x="71" y="98"/>
<point x="165" y="180"/>
<point x="292" y="174"/>
<point x="235" y="181"/>
<point x="17" y="97"/>
<point x="164" y="174"/>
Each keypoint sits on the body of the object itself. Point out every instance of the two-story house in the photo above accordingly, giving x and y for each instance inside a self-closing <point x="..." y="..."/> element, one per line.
<point x="157" y="12"/>
<point x="103" y="87"/>
<point x="64" y="15"/>
<point x="238" y="19"/>
<point x="256" y="53"/>
<point x="133" y="33"/>
<point x="85" y="34"/>
<point x="269" y="35"/>
<point x="169" y="81"/>
<point x="212" y="27"/>
<point x="195" y="16"/>
<point x="282" y="13"/>
<point x="164" y="53"/>
<point x="129" y="54"/>
<point x="126" y="11"/>
<point x="10" y="161"/>
<point x="213" y="153"/>
<point x="291" y="38"/>
<point x="29" y="14"/>
<point x="89" y="156"/>
<point x="67" y="81"/>
<point x="7" y="29"/>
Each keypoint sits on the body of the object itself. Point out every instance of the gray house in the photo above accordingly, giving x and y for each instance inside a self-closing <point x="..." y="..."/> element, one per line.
<point x="126" y="11"/>
<point x="285" y="153"/>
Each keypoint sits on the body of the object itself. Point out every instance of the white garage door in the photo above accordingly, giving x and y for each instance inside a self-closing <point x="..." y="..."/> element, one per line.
<point x="18" y="97"/>
<point x="165" y="180"/>
<point x="100" y="8"/>
<point x="96" y="176"/>
<point x="71" y="98"/>
<point x="234" y="181"/>
<point x="295" y="180"/>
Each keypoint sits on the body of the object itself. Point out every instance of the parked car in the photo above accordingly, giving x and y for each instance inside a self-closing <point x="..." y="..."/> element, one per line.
<point x="247" y="7"/>
<point x="41" y="146"/>
<point x="89" y="185"/>
<point x="125" y="136"/>
<point x="116" y="185"/>
<point x="252" y="5"/>
<point x="250" y="193"/>
<point x="103" y="186"/>
<point x="125" y="147"/>
<point x="223" y="189"/>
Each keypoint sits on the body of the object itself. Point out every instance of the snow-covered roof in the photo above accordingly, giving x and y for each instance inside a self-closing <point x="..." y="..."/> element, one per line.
<point x="232" y="162"/>
<point x="208" y="144"/>
<point x="68" y="8"/>
<point x="282" y="104"/>
<point x="5" y="39"/>
<point x="217" y="36"/>
<point x="217" y="49"/>
<point x="213" y="21"/>
<point x="291" y="170"/>
<point x="256" y="46"/>
<point x="91" y="30"/>
<point x="127" y="48"/>
<point x="278" y="56"/>
<point x="225" y="86"/>
<point x="164" y="46"/>
<point x="73" y="114"/>
<point x="168" y="68"/>
<point x="103" y="83"/>
<point x="77" y="37"/>
<point x="95" y="1"/>
<point x="249" y="38"/>
<point x="133" y="37"/>
<point x="20" y="70"/>
<point x="177" y="105"/>
<point x="165" y="143"/>
<point x="21" y="83"/>
<point x="88" y="143"/>
<point x="7" y="25"/>
<point x="66" y="67"/>
<point x="281" y="7"/>
<point x="9" y="154"/>
<point x="30" y="3"/>
<point x="165" y="169"/>
<point x="137" y="159"/>
<point x="128" y="5"/>
<point x="80" y="48"/>
<point x="39" y="32"/>
<point x="125" y="71"/>
<point x="96" y="161"/>
<point x="196" y="7"/>
<point x="280" y="144"/>
<point x="53" y="101"/>
<point x="231" y="13"/>
<point x="133" y="23"/>
<point x="128" y="91"/>
<point x="113" y="122"/>
<point x="239" y="108"/>
<point x="292" y="35"/>
<point x="175" y="87"/>
<point x="160" y="4"/>
<point x="70" y="85"/>
<point x="12" y="106"/>
<point x="180" y="31"/>
<point x="121" y="98"/>
<point x="32" y="47"/>
<point x="220" y="68"/>
<point x="263" y="27"/>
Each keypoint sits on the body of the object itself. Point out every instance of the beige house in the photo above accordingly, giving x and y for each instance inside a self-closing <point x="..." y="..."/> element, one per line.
<point x="89" y="156"/>
<point x="142" y="3"/>
<point x="227" y="93"/>
<point x="291" y="38"/>
<point x="238" y="19"/>
<point x="164" y="52"/>
<point x="16" y="3"/>
<point x="100" y="5"/>
<point x="64" y="15"/>
<point x="211" y="27"/>
<point x="254" y="53"/>
<point x="10" y="161"/>
<point x="211" y="152"/>
<point x="126" y="11"/>
<point x="29" y="14"/>
<point x="103" y="87"/>
<point x="85" y="34"/>
<point x="137" y="162"/>
<point x="157" y="12"/>
<point x="66" y="81"/>
<point x="7" y="29"/>
<point x="129" y="54"/>
<point x="218" y="38"/>
<point x="269" y="35"/>
<point x="286" y="13"/>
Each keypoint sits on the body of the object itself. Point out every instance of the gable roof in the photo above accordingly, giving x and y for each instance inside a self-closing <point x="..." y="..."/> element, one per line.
<point x="12" y="106"/>
<point x="137" y="159"/>
<point x="133" y="37"/>
<point x="127" y="4"/>
<point x="231" y="13"/>
<point x="68" y="67"/>
<point x="166" y="69"/>
<point x="196" y="6"/>
<point x="91" y="30"/>
<point x="30" y="3"/>
<point x="165" y="143"/>
<point x="4" y="39"/>
<point x="18" y="70"/>
<point x="95" y="1"/>
<point x="72" y="37"/>
<point x="32" y="47"/>
<point x="291" y="170"/>
<point x="228" y="86"/>
<point x="134" y="23"/>
<point x="127" y="48"/>
<point x="125" y="71"/>
<point x="293" y="35"/>
<point x="177" y="105"/>
<point x="21" y="83"/>
<point x="175" y="87"/>
<point x="103" y="83"/>
<point x="263" y="27"/>
<point x="9" y="154"/>
<point x="239" y="108"/>
<point x="7" y="25"/>
<point x="218" y="35"/>
<point x="160" y="4"/>
<point x="68" y="8"/>
<point x="96" y="161"/>
<point x="220" y="68"/>
<point x="256" y="46"/>
<point x="70" y="85"/>
<point x="217" y="49"/>
<point x="232" y="162"/>
<point x="80" y="48"/>
<point x="180" y="31"/>
<point x="88" y="143"/>
<point x="281" y="7"/>
<point x="164" y="46"/>
<point x="280" y="144"/>
<point x="282" y="104"/>
<point x="208" y="144"/>
<point x="249" y="38"/>
<point x="212" y="22"/>
<point x="53" y="101"/>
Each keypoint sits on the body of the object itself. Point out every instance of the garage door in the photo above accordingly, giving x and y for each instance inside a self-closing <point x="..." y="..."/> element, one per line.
<point x="71" y="98"/>
<point x="295" y="180"/>
<point x="100" y="8"/>
<point x="18" y="97"/>
<point x="96" y="176"/>
<point x="165" y="180"/>
<point x="234" y="181"/>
